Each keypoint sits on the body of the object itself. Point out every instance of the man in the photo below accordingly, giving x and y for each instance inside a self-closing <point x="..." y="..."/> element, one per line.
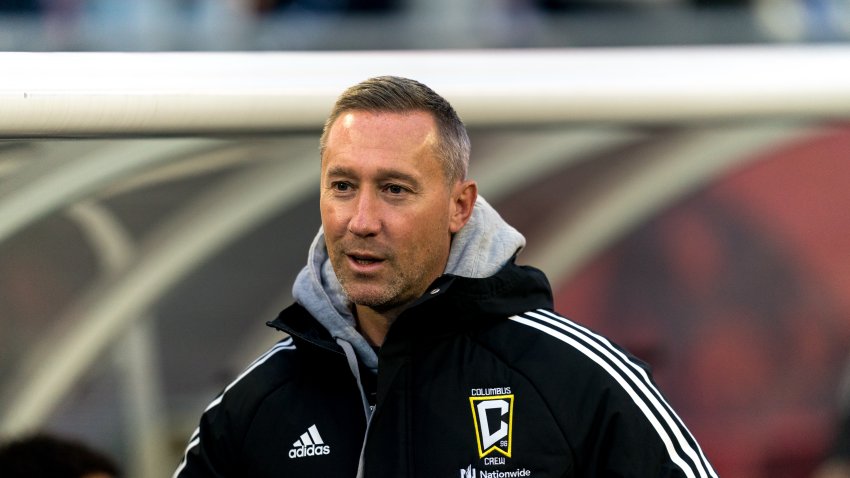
<point x="417" y="347"/>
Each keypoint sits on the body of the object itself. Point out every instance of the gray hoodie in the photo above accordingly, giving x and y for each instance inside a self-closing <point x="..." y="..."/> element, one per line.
<point x="480" y="249"/>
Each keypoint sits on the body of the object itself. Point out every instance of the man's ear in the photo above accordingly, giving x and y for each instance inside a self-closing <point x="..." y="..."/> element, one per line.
<point x="464" y="195"/>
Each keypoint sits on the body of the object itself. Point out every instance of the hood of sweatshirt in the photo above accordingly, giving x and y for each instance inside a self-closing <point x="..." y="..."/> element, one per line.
<point x="478" y="250"/>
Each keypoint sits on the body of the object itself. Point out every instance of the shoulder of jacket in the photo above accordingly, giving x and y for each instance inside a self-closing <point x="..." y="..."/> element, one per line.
<point x="265" y="374"/>
<point x="548" y="336"/>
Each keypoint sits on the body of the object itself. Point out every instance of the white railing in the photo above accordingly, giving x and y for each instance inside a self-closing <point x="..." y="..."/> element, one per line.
<point x="50" y="94"/>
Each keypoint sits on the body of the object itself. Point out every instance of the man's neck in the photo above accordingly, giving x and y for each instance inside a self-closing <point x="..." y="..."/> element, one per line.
<point x="374" y="325"/>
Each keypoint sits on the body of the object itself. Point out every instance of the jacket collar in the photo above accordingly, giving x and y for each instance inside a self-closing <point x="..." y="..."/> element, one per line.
<point x="451" y="303"/>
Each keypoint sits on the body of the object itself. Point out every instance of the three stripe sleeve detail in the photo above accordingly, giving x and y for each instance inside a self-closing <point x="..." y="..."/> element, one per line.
<point x="678" y="441"/>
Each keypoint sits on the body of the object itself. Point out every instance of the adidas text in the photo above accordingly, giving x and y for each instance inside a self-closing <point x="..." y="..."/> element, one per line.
<point x="311" y="450"/>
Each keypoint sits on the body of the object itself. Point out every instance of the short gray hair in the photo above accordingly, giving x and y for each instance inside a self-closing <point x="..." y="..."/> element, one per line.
<point x="394" y="94"/>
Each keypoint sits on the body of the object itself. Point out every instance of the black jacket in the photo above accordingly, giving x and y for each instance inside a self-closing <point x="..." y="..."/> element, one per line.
<point x="478" y="379"/>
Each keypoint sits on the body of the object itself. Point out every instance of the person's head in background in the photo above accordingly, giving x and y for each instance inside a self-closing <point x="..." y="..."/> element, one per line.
<point x="43" y="455"/>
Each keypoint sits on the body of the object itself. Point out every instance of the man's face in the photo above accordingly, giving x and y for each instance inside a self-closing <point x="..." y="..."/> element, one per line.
<point x="387" y="210"/>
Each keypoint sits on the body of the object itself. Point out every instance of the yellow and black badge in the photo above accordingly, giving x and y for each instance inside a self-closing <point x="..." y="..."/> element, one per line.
<point x="493" y="418"/>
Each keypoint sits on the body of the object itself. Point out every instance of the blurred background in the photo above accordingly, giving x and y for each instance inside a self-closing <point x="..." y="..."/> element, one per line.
<point x="715" y="250"/>
<point x="150" y="25"/>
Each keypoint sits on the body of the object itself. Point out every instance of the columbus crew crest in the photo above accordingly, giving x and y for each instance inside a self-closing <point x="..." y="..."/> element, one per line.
<point x="493" y="418"/>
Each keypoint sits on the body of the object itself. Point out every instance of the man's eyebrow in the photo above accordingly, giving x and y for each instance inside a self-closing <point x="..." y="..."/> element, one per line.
<point x="339" y="171"/>
<point x="383" y="174"/>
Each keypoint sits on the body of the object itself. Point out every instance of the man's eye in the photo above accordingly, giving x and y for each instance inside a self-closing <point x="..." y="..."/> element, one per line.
<point x="341" y="186"/>
<point x="395" y="189"/>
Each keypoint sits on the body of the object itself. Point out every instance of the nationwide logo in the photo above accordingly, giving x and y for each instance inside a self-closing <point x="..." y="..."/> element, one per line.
<point x="471" y="472"/>
<point x="493" y="419"/>
<point x="309" y="444"/>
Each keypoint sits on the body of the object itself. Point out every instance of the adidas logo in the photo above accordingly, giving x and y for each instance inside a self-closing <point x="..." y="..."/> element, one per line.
<point x="309" y="444"/>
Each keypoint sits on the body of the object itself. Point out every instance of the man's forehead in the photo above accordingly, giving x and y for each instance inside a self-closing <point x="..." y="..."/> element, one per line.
<point x="378" y="162"/>
<point x="389" y="131"/>
<point x="413" y="120"/>
<point x="404" y="142"/>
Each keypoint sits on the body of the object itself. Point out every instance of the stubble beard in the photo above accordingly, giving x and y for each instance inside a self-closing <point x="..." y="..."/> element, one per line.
<point x="367" y="292"/>
<point x="381" y="294"/>
<point x="376" y="297"/>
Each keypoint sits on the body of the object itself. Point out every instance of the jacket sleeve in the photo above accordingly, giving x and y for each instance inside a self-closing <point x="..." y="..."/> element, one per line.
<point x="209" y="451"/>
<point x="634" y="432"/>
<point x="215" y="448"/>
<point x="614" y="420"/>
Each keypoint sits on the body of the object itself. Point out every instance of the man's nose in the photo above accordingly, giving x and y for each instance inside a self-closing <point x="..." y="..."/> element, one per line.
<point x="365" y="219"/>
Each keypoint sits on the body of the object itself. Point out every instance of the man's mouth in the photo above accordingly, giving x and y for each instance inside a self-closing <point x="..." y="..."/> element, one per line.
<point x="364" y="259"/>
